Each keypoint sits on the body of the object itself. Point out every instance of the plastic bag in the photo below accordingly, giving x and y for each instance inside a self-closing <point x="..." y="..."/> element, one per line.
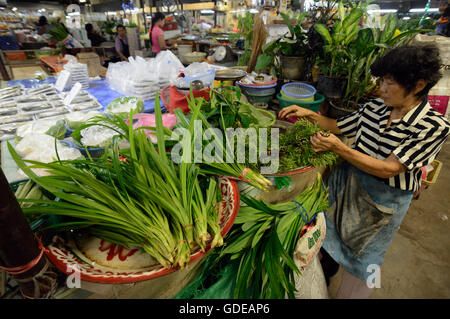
<point x="196" y="69"/>
<point x="97" y="136"/>
<point x="75" y="119"/>
<point x="140" y="120"/>
<point x="53" y="127"/>
<point x="41" y="147"/>
<point x="122" y="106"/>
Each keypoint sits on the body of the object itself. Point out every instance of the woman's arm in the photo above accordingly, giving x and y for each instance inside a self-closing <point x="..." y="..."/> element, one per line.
<point x="323" y="121"/>
<point x="386" y="168"/>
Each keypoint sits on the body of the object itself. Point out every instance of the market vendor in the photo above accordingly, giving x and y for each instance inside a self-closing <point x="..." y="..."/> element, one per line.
<point x="122" y="47"/>
<point x="371" y="191"/>
<point x="156" y="34"/>
<point x="94" y="36"/>
<point x="42" y="25"/>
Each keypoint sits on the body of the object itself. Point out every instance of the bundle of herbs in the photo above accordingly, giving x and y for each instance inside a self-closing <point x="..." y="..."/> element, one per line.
<point x="262" y="243"/>
<point x="296" y="149"/>
<point x="132" y="197"/>
<point x="216" y="160"/>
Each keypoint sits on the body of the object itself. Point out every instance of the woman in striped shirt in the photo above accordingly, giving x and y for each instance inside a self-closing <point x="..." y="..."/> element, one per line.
<point x="371" y="191"/>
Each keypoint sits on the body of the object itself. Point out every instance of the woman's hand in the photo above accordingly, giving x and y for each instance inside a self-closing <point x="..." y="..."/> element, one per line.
<point x="294" y="111"/>
<point x="324" y="142"/>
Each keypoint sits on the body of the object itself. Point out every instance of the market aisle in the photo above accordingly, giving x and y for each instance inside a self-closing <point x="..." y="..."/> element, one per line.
<point x="417" y="265"/>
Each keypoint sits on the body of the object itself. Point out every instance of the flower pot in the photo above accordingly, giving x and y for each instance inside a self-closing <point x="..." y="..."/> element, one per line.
<point x="332" y="88"/>
<point x="336" y="112"/>
<point x="292" y="67"/>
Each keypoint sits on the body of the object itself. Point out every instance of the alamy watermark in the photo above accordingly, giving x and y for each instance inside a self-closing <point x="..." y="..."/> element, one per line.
<point x="74" y="279"/>
<point x="211" y="146"/>
<point x="374" y="279"/>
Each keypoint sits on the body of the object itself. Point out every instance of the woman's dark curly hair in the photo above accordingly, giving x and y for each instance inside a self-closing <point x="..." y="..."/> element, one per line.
<point x="408" y="64"/>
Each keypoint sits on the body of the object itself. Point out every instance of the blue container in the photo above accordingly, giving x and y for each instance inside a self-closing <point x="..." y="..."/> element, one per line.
<point x="94" y="152"/>
<point x="258" y="89"/>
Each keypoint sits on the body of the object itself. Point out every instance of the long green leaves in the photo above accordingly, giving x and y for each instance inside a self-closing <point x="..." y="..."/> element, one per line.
<point x="265" y="243"/>
<point x="134" y="196"/>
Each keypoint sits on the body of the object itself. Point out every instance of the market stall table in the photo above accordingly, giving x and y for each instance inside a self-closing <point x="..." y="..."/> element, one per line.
<point x="99" y="88"/>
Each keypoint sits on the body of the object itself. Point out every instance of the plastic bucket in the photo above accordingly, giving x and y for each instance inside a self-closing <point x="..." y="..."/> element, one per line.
<point x="312" y="105"/>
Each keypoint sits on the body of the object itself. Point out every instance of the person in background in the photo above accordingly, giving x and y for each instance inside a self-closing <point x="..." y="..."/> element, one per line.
<point x="42" y="26"/>
<point x="442" y="25"/>
<point x="157" y="34"/>
<point x="96" y="39"/>
<point x="122" y="47"/>
<point x="371" y="190"/>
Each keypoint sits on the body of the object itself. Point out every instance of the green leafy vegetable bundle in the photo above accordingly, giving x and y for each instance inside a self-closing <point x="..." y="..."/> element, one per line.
<point x="263" y="243"/>
<point x="296" y="149"/>
<point x="132" y="197"/>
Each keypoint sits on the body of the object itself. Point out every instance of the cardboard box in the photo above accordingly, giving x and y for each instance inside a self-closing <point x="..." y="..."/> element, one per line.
<point x="93" y="62"/>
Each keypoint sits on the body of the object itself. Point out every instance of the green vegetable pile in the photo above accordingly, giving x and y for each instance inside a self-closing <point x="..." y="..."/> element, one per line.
<point x="225" y="109"/>
<point x="132" y="197"/>
<point x="296" y="149"/>
<point x="260" y="248"/>
<point x="58" y="33"/>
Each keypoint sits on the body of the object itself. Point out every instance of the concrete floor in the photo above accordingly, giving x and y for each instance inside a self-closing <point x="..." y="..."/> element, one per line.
<point x="417" y="265"/>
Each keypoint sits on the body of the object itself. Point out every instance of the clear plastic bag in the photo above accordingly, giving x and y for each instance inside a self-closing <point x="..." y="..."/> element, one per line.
<point x="97" y="136"/>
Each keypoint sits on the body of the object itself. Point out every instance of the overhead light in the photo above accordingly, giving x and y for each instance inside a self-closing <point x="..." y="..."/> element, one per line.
<point x="406" y="18"/>
<point x="14" y="9"/>
<point x="207" y="11"/>
<point x="382" y="11"/>
<point x="423" y="10"/>
<point x="82" y="1"/>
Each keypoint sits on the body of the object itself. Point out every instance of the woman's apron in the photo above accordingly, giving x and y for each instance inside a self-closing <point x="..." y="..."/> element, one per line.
<point x="364" y="216"/>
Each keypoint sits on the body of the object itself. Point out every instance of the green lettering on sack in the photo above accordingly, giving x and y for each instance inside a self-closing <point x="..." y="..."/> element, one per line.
<point x="311" y="242"/>
<point x="316" y="235"/>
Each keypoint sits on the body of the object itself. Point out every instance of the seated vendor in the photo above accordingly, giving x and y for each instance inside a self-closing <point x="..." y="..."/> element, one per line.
<point x="122" y="48"/>
<point x="371" y="191"/>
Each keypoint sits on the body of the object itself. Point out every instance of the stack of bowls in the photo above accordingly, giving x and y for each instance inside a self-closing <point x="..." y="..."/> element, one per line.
<point x="258" y="93"/>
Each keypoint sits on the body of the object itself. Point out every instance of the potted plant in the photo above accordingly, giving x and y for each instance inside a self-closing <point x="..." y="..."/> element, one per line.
<point x="285" y="57"/>
<point x="369" y="45"/>
<point x="245" y="26"/>
<point x="335" y="61"/>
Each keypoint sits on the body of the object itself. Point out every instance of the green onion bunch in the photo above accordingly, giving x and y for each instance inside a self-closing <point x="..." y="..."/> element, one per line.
<point x="220" y="166"/>
<point x="296" y="149"/>
<point x="134" y="196"/>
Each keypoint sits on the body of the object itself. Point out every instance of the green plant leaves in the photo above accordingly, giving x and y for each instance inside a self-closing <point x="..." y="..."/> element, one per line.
<point x="324" y="33"/>
<point x="389" y="28"/>
<point x="264" y="60"/>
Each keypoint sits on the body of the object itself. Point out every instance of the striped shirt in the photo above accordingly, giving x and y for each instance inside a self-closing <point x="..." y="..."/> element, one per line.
<point x="415" y="140"/>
